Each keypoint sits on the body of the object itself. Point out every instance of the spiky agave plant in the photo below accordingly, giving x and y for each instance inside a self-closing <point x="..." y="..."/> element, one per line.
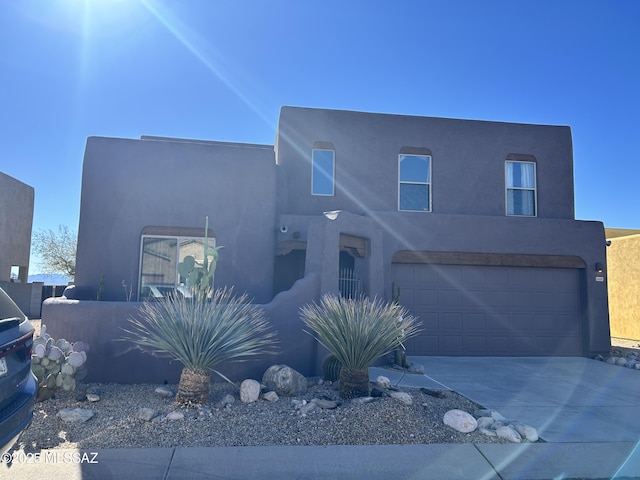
<point x="201" y="334"/>
<point x="358" y="331"/>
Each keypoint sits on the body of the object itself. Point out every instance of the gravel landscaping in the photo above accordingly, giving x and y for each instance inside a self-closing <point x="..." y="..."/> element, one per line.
<point x="116" y="421"/>
<point x="131" y="416"/>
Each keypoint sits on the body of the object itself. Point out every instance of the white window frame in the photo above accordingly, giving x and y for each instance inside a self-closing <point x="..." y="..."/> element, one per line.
<point x="333" y="171"/>
<point x="508" y="188"/>
<point x="428" y="183"/>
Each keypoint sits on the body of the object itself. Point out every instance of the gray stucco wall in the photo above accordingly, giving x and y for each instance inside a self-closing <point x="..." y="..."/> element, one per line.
<point x="130" y="184"/>
<point x="249" y="192"/>
<point x="110" y="359"/>
<point x="467" y="166"/>
<point x="468" y="204"/>
<point x="16" y="220"/>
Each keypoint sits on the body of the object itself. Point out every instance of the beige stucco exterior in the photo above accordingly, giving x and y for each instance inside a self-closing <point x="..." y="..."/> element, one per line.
<point x="623" y="262"/>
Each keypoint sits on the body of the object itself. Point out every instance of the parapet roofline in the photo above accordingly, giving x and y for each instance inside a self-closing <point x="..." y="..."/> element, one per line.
<point x="154" y="138"/>
<point x="284" y="108"/>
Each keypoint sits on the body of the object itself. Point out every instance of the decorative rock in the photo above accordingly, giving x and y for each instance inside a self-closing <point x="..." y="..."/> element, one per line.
<point x="527" y="431"/>
<point x="362" y="400"/>
<point x="284" y="380"/>
<point x="403" y="397"/>
<point x="496" y="416"/>
<point x="270" y="397"/>
<point x="306" y="408"/>
<point x="485" y="422"/>
<point x="249" y="391"/>
<point x="416" y="369"/>
<point x="175" y="416"/>
<point x="326" y="404"/>
<point x="146" y="414"/>
<point x="611" y="360"/>
<point x="163" y="392"/>
<point x="228" y="399"/>
<point x="460" y="421"/>
<point x="298" y="403"/>
<point x="487" y="431"/>
<point x="75" y="414"/>
<point x="621" y="361"/>
<point x="508" y="433"/>
<point x="92" y="397"/>
<point x="383" y="382"/>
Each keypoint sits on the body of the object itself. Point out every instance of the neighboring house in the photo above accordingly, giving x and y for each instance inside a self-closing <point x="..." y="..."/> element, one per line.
<point x="623" y="261"/>
<point x="471" y="221"/>
<point x="16" y="220"/>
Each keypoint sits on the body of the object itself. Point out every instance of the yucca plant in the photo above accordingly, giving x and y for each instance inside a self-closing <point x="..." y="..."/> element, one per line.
<point x="201" y="334"/>
<point x="358" y="331"/>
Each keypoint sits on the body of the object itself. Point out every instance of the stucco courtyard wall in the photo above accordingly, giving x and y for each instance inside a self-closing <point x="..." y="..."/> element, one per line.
<point x="112" y="360"/>
<point x="623" y="260"/>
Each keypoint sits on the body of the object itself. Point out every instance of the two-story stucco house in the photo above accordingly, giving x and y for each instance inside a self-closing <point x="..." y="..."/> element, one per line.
<point x="471" y="222"/>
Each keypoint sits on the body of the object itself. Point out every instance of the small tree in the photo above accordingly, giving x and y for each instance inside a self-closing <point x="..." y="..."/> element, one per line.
<point x="57" y="250"/>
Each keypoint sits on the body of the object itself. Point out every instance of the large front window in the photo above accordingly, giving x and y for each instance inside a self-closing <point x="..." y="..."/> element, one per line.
<point x="323" y="171"/>
<point x="415" y="183"/>
<point x="162" y="264"/>
<point x="521" y="188"/>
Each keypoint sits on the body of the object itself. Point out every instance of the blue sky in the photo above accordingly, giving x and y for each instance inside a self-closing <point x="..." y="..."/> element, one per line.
<point x="221" y="70"/>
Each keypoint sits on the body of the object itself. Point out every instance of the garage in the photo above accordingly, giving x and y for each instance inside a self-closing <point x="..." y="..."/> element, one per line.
<point x="499" y="310"/>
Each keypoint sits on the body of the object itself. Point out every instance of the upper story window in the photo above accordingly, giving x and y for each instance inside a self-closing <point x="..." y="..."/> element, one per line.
<point x="322" y="171"/>
<point x="414" y="190"/>
<point x="521" y="188"/>
<point x="166" y="259"/>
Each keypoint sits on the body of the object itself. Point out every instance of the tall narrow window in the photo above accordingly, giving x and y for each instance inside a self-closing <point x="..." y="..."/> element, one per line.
<point x="521" y="188"/>
<point x="323" y="171"/>
<point x="414" y="192"/>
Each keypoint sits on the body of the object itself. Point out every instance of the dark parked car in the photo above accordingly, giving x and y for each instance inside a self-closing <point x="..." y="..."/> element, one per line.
<point x="17" y="383"/>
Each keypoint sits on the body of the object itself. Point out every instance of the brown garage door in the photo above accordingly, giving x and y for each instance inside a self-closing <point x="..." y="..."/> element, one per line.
<point x="492" y="310"/>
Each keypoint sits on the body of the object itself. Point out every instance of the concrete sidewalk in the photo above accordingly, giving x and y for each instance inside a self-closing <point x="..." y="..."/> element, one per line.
<point x="542" y="461"/>
<point x="587" y="412"/>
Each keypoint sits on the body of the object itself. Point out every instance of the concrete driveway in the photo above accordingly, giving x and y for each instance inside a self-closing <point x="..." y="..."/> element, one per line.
<point x="567" y="399"/>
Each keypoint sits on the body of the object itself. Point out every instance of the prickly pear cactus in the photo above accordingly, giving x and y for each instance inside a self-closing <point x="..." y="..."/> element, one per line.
<point x="57" y="364"/>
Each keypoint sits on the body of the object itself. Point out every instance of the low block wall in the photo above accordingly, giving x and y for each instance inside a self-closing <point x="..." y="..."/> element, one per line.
<point x="111" y="360"/>
<point x="28" y="296"/>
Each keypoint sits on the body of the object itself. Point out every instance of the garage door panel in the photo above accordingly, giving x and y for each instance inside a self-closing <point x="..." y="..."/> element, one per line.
<point x="474" y="298"/>
<point x="475" y="321"/>
<point x="491" y="310"/>
<point x="475" y="344"/>
<point x="424" y="297"/>
<point x="498" y="300"/>
<point x="546" y="301"/>
<point x="451" y="344"/>
<point x="450" y="298"/>
<point x="451" y="321"/>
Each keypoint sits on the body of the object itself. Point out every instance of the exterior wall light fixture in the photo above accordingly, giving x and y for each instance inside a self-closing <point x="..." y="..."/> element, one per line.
<point x="599" y="267"/>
